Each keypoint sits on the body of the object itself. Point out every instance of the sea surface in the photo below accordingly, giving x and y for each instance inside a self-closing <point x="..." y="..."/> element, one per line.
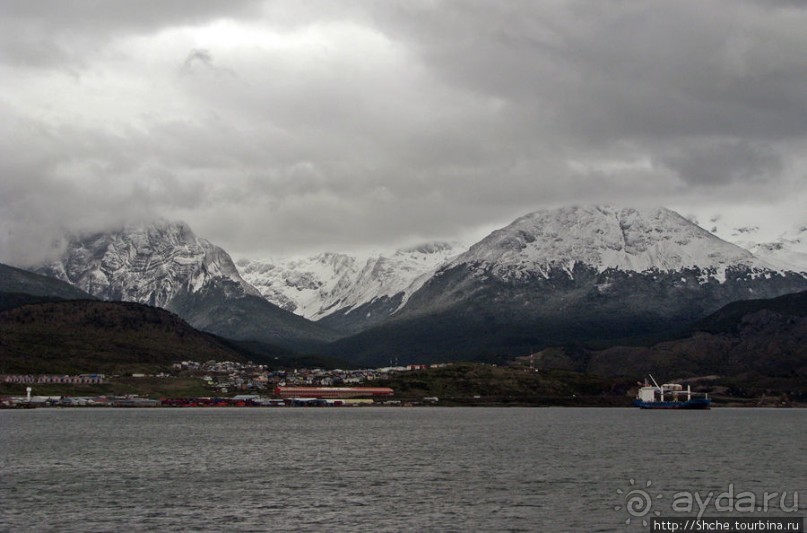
<point x="388" y="469"/>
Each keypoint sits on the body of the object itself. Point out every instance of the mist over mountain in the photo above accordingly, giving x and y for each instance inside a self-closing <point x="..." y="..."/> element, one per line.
<point x="786" y="250"/>
<point x="145" y="263"/>
<point x="784" y="253"/>
<point x="165" y="265"/>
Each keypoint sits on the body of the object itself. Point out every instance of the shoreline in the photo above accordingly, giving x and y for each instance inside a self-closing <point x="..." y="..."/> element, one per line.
<point x="408" y="405"/>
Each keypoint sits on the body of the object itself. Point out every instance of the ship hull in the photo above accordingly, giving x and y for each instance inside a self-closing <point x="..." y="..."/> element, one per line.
<point x="700" y="403"/>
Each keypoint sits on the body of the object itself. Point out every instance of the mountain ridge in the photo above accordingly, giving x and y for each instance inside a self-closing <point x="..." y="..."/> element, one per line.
<point x="164" y="264"/>
<point x="604" y="237"/>
<point x="595" y="273"/>
<point x="145" y="263"/>
<point x="347" y="292"/>
<point x="591" y="274"/>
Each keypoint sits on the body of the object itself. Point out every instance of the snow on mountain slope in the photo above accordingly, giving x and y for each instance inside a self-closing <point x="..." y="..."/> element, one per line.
<point x="147" y="264"/>
<point x="403" y="272"/>
<point x="784" y="251"/>
<point x="315" y="287"/>
<point x="301" y="285"/>
<point x="787" y="252"/>
<point x="783" y="254"/>
<point x="164" y="264"/>
<point x="604" y="237"/>
<point x="574" y="275"/>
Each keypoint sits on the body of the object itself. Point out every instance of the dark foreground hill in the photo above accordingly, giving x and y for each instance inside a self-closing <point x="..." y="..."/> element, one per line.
<point x="733" y="317"/>
<point x="757" y="344"/>
<point x="107" y="337"/>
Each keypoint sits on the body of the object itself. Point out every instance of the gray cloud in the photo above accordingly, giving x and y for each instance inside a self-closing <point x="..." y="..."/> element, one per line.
<point x="201" y="58"/>
<point x="634" y="69"/>
<point x="358" y="123"/>
<point x="197" y="56"/>
<point x="56" y="34"/>
<point x="717" y="162"/>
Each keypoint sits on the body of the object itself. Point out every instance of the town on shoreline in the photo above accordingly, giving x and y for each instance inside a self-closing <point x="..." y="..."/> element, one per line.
<point x="240" y="384"/>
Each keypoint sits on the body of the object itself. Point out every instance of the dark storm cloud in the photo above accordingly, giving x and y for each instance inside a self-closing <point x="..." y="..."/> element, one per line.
<point x="613" y="69"/>
<point x="355" y="123"/>
<point x="724" y="163"/>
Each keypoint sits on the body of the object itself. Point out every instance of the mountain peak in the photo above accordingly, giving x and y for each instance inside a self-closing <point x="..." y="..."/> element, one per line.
<point x="144" y="262"/>
<point x="604" y="237"/>
<point x="434" y="247"/>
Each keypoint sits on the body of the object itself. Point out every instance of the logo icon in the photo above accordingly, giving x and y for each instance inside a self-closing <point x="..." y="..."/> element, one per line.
<point x="638" y="502"/>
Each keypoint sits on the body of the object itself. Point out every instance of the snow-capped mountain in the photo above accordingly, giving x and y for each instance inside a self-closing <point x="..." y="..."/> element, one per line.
<point x="165" y="265"/>
<point x="556" y="276"/>
<point x="345" y="291"/>
<point x="783" y="254"/>
<point x="569" y="275"/>
<point x="301" y="285"/>
<point x="148" y="264"/>
<point x="604" y="237"/>
<point x="785" y="251"/>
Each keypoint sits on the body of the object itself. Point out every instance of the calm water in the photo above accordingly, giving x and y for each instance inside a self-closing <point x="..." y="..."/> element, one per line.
<point x="380" y="469"/>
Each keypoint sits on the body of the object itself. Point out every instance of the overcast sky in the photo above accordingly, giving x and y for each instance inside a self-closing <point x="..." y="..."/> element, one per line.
<point x="292" y="127"/>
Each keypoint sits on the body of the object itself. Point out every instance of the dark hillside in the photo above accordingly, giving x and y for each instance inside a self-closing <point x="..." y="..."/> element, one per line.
<point x="755" y="346"/>
<point x="18" y="281"/>
<point x="108" y="337"/>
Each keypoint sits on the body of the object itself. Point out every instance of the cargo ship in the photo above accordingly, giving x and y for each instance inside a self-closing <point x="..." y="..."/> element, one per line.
<point x="670" y="396"/>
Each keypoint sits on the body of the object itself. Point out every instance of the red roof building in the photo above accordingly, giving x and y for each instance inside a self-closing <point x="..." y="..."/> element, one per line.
<point x="332" y="392"/>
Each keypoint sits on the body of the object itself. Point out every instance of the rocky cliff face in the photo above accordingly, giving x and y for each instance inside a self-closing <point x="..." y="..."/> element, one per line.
<point x="165" y="265"/>
<point x="148" y="264"/>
